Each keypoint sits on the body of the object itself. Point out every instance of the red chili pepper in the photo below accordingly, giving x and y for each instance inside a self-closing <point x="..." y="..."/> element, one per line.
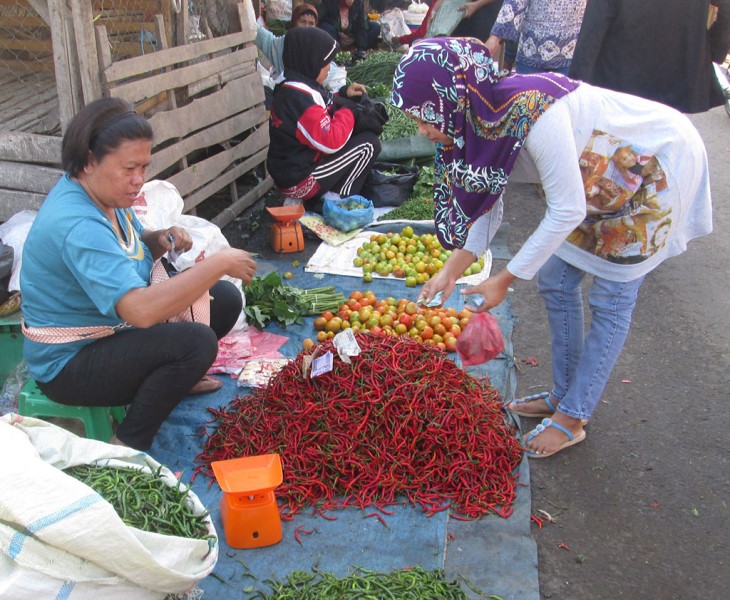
<point x="536" y="520"/>
<point x="367" y="433"/>
<point x="564" y="546"/>
<point x="300" y="530"/>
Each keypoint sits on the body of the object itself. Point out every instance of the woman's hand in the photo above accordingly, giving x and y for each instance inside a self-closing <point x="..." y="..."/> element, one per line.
<point x="441" y="282"/>
<point x="180" y="237"/>
<point x="493" y="289"/>
<point x="468" y="9"/>
<point x="355" y="89"/>
<point x="445" y="280"/>
<point x="492" y="44"/>
<point x="241" y="264"/>
<point x="159" y="240"/>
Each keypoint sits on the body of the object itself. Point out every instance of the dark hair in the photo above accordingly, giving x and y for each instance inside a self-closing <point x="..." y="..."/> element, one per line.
<point x="99" y="128"/>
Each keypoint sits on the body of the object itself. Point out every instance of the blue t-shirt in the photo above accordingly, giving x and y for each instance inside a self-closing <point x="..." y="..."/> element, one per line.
<point x="75" y="269"/>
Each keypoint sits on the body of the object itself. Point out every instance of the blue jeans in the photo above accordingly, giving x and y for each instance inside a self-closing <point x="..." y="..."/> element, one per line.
<point x="582" y="363"/>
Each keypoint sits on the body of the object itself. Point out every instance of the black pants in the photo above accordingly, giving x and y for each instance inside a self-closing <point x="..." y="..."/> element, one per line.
<point x="151" y="369"/>
<point x="345" y="171"/>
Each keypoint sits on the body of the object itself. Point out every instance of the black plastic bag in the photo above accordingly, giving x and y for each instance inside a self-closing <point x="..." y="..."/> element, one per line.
<point x="6" y="270"/>
<point x="389" y="184"/>
<point x="369" y="115"/>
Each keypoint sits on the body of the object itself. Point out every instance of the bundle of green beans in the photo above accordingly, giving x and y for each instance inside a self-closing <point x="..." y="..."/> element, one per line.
<point x="405" y="584"/>
<point x="398" y="125"/>
<point x="377" y="68"/>
<point x="143" y="500"/>
<point x="419" y="207"/>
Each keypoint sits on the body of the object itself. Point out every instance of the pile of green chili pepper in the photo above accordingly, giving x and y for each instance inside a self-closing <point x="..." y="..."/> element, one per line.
<point x="405" y="584"/>
<point x="401" y="422"/>
<point x="143" y="500"/>
<point x="377" y="68"/>
<point x="419" y="207"/>
<point x="398" y="126"/>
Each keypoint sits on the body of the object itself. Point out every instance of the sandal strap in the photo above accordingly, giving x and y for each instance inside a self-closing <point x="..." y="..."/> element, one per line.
<point x="532" y="398"/>
<point x="544" y="425"/>
<point x="550" y="404"/>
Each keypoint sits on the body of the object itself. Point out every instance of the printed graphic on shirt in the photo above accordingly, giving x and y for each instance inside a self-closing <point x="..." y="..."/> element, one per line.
<point x="627" y="220"/>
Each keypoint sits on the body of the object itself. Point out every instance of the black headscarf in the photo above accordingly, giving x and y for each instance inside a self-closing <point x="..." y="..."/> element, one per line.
<point x="306" y="51"/>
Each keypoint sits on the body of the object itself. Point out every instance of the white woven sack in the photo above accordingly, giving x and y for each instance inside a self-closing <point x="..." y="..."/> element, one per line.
<point x="58" y="538"/>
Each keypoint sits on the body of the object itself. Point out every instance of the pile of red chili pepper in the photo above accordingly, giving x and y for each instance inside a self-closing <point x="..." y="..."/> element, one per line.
<point x="403" y="421"/>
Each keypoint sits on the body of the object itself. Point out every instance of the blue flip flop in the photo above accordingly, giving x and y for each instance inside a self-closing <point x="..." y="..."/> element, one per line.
<point x="541" y="396"/>
<point x="572" y="439"/>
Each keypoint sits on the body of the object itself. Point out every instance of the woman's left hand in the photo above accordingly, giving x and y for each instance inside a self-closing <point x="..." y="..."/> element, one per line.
<point x="493" y="289"/>
<point x="468" y="9"/>
<point x="355" y="89"/>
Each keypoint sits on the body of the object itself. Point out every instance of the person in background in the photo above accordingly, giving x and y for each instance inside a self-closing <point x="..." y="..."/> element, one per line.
<point x="347" y="23"/>
<point x="86" y="267"/>
<point x="491" y="128"/>
<point x="544" y="30"/>
<point x="657" y="49"/>
<point x="272" y="46"/>
<point x="313" y="148"/>
<point x="479" y="16"/>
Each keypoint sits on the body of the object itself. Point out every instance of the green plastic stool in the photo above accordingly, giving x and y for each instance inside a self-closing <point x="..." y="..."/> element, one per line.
<point x="34" y="403"/>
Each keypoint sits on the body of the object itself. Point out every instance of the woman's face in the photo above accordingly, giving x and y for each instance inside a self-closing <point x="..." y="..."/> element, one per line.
<point x="323" y="73"/>
<point x="306" y="20"/>
<point x="116" y="180"/>
<point x="432" y="133"/>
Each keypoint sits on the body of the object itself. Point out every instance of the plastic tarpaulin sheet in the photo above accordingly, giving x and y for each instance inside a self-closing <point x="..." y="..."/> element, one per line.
<point x="496" y="555"/>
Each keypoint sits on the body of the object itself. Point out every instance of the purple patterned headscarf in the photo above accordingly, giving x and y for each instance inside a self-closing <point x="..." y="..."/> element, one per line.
<point x="455" y="85"/>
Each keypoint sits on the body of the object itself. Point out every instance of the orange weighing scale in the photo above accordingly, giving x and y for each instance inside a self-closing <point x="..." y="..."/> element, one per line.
<point x="286" y="232"/>
<point x="249" y="511"/>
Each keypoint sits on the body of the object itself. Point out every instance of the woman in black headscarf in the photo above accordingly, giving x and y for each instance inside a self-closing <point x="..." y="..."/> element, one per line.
<point x="313" y="148"/>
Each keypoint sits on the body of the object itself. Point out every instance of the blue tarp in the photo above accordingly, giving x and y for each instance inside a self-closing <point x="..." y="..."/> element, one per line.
<point x="496" y="555"/>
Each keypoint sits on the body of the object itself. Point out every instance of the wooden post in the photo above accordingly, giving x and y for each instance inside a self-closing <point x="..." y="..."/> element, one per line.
<point x="83" y="20"/>
<point x="182" y="25"/>
<point x="70" y="95"/>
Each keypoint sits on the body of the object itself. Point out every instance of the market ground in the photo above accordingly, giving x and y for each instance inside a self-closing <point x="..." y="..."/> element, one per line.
<point x="641" y="507"/>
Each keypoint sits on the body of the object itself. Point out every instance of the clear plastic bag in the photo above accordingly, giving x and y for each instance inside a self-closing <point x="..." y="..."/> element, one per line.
<point x="481" y="340"/>
<point x="348" y="213"/>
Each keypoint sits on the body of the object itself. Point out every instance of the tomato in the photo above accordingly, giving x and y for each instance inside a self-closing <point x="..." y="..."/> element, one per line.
<point x="411" y="308"/>
<point x="321" y="336"/>
<point x="327" y="315"/>
<point x="320" y="323"/>
<point x="307" y="344"/>
<point x="356" y="295"/>
<point x="427" y="332"/>
<point x="401" y="329"/>
<point x="450" y="343"/>
<point x="405" y="319"/>
<point x="334" y="325"/>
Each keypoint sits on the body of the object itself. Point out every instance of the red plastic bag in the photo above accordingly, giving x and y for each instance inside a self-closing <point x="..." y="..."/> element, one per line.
<point x="481" y="340"/>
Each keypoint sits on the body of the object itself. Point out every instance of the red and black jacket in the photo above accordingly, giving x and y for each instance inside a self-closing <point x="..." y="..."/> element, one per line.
<point x="305" y="126"/>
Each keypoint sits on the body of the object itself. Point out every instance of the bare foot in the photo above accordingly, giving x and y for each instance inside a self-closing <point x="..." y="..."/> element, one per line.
<point x="551" y="439"/>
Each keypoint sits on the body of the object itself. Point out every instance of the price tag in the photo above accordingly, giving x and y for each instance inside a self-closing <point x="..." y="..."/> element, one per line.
<point x="322" y="364"/>
<point x="346" y="345"/>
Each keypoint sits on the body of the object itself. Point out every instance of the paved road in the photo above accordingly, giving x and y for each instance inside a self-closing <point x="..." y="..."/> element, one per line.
<point x="643" y="503"/>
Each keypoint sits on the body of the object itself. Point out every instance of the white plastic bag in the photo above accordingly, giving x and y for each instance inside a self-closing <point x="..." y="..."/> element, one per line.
<point x="393" y="24"/>
<point x="13" y="233"/>
<point x="160" y="206"/>
<point x="59" y="538"/>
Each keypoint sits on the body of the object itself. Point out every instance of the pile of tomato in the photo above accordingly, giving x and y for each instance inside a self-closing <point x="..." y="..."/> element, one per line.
<point x="363" y="311"/>
<point x="415" y="258"/>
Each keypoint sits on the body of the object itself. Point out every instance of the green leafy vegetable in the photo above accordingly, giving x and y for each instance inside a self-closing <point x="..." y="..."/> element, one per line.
<point x="269" y="299"/>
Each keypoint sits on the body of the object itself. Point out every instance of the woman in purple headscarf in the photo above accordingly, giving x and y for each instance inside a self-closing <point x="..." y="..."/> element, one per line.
<point x="572" y="138"/>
